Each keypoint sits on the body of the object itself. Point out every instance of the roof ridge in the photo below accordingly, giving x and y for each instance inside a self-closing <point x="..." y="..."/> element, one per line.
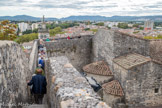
<point x="98" y="68"/>
<point x="113" y="88"/>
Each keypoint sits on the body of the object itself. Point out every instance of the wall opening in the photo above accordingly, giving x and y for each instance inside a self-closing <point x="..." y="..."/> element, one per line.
<point x="129" y="49"/>
<point x="156" y="90"/>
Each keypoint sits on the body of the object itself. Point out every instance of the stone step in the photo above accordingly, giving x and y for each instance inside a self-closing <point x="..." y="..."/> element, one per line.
<point x="37" y="106"/>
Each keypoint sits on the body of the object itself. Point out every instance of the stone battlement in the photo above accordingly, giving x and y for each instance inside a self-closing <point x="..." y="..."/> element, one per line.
<point x="68" y="88"/>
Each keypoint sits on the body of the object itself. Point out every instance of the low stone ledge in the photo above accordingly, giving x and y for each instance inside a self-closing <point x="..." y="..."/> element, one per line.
<point x="68" y="89"/>
<point x="33" y="57"/>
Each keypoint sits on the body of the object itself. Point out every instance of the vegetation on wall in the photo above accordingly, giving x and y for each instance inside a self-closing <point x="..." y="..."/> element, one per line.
<point x="135" y="32"/>
<point x="151" y="37"/>
<point x="94" y="30"/>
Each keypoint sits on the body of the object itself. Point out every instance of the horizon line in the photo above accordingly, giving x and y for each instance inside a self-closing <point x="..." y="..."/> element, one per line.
<point x="77" y="15"/>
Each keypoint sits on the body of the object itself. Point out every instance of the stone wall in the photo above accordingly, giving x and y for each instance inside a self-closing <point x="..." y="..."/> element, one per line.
<point x="140" y="84"/>
<point x="108" y="44"/>
<point x="78" y="50"/>
<point x="125" y="44"/>
<point x="33" y="57"/>
<point x="14" y="72"/>
<point x="67" y="88"/>
<point x="156" y="50"/>
<point x="103" y="46"/>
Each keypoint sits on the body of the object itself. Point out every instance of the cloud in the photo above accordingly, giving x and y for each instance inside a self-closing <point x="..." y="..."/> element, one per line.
<point x="64" y="8"/>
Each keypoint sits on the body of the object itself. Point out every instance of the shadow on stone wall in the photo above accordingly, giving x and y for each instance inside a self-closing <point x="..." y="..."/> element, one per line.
<point x="14" y="73"/>
<point x="156" y="51"/>
<point x="78" y="50"/>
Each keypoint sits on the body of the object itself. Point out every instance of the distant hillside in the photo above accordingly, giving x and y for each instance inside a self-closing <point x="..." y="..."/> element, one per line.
<point x="135" y="18"/>
<point x="83" y="18"/>
<point x="24" y="18"/>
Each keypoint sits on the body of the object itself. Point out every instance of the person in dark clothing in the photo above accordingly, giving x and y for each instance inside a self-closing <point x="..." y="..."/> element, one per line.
<point x="40" y="46"/>
<point x="39" y="86"/>
<point x="41" y="61"/>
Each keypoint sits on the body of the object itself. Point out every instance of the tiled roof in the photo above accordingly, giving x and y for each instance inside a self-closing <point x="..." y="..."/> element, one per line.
<point x="131" y="60"/>
<point x="113" y="88"/>
<point x="98" y="68"/>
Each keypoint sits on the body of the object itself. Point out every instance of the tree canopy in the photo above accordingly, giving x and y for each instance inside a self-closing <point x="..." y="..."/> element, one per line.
<point x="123" y="25"/>
<point x="7" y="30"/>
<point x="55" y="31"/>
<point x="27" y="32"/>
<point x="100" y="24"/>
<point x="62" y="25"/>
<point x="26" y="38"/>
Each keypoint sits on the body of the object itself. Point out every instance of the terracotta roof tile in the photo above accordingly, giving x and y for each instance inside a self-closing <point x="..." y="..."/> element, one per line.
<point x="130" y="60"/>
<point x="113" y="88"/>
<point x="99" y="68"/>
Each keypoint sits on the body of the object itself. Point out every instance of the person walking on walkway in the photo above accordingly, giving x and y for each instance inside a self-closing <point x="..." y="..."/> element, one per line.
<point x="39" y="86"/>
<point x="39" y="67"/>
<point x="41" y="61"/>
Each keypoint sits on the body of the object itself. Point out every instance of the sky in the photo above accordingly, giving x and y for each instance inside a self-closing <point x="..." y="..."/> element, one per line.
<point x="65" y="8"/>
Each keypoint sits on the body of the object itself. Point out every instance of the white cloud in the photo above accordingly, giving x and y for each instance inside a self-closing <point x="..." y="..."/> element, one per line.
<point x="64" y="8"/>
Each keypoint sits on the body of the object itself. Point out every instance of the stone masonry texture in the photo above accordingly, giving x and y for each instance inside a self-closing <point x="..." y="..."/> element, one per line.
<point x="141" y="83"/>
<point x="68" y="88"/>
<point x="78" y="50"/>
<point x="108" y="44"/>
<point x="14" y="72"/>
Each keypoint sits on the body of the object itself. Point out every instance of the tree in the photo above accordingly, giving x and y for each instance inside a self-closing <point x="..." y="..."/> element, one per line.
<point x="27" y="38"/>
<point x="62" y="25"/>
<point x="86" y="29"/>
<point x="136" y="25"/>
<point x="27" y="32"/>
<point x="7" y="30"/>
<point x="35" y="31"/>
<point x="141" y="28"/>
<point x="55" y="31"/>
<point x="123" y="25"/>
<point x="100" y="24"/>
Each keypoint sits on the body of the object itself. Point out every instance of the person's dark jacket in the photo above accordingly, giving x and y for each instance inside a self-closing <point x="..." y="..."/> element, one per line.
<point x="40" y="46"/>
<point x="39" y="84"/>
<point x="42" y="63"/>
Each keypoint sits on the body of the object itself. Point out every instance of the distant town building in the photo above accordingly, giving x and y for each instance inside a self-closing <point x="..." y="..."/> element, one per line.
<point x="24" y="26"/>
<point x="28" y="45"/>
<point x="43" y="33"/>
<point x="148" y="25"/>
<point x="35" y="26"/>
<point x="111" y="24"/>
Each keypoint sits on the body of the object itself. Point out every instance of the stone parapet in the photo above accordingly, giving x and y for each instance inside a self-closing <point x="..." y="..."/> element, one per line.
<point x="68" y="88"/>
<point x="33" y="57"/>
